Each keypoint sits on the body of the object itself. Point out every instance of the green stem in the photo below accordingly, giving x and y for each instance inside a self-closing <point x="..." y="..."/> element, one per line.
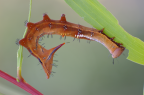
<point x="20" y="51"/>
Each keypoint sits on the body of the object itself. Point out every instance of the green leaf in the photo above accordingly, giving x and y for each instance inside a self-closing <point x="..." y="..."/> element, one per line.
<point x="99" y="17"/>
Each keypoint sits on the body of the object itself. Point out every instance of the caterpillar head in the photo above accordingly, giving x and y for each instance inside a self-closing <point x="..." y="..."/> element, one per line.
<point x="118" y="52"/>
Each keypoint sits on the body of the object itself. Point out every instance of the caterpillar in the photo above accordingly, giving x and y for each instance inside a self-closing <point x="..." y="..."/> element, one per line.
<point x="63" y="28"/>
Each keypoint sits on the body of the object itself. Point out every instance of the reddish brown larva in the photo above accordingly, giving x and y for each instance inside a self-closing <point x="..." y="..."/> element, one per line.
<point x="63" y="28"/>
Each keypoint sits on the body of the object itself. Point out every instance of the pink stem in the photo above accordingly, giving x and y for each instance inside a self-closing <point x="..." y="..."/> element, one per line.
<point x="21" y="84"/>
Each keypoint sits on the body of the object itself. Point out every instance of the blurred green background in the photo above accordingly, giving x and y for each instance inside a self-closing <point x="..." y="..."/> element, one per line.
<point x="83" y="68"/>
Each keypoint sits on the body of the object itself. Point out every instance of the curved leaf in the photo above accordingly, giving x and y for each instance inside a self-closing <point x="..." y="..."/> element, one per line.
<point x="99" y="17"/>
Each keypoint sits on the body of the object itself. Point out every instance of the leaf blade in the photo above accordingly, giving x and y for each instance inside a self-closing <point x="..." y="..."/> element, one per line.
<point x="99" y="17"/>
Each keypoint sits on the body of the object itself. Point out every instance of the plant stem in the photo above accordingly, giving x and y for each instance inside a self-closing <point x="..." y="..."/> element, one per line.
<point x="20" y="51"/>
<point x="22" y="84"/>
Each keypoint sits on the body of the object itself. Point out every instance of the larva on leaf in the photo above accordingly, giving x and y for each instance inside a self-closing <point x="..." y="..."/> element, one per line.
<point x="63" y="28"/>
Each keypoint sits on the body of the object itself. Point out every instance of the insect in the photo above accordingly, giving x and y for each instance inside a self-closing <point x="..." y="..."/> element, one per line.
<point x="63" y="28"/>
